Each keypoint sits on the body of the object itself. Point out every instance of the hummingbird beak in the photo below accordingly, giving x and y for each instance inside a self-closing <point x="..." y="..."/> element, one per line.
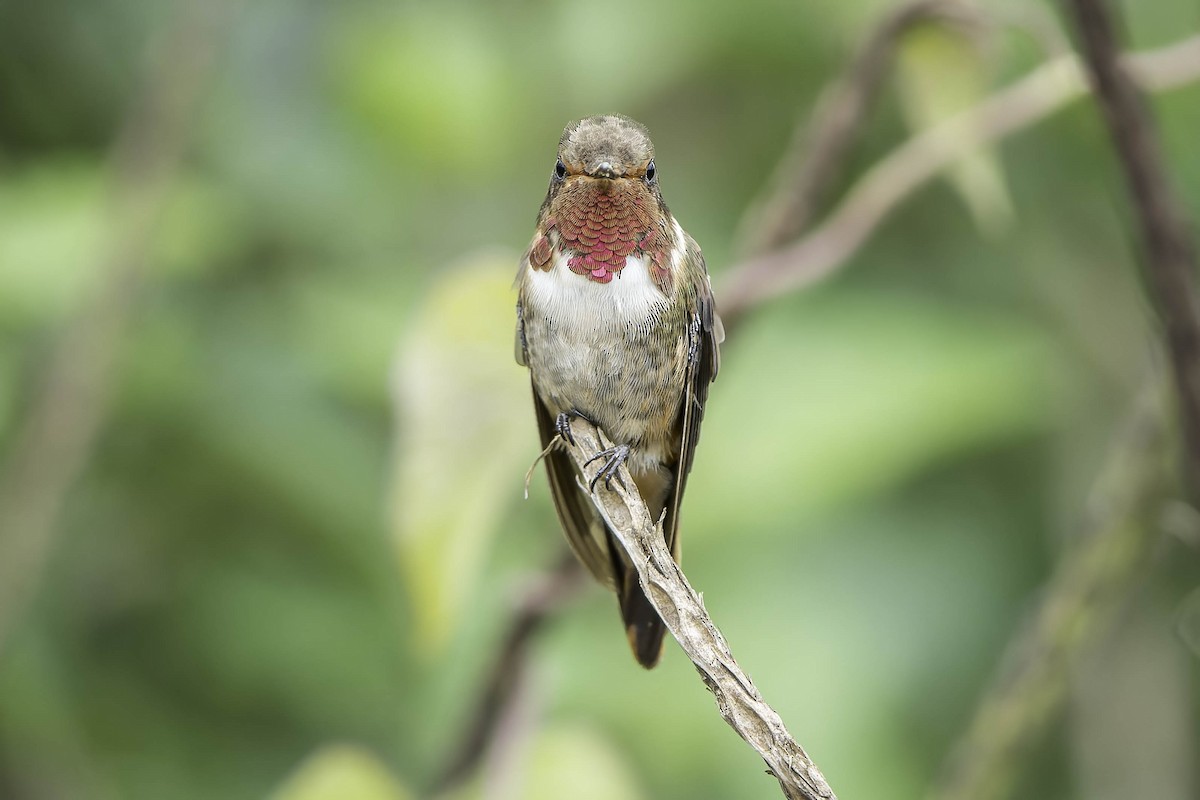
<point x="603" y="170"/>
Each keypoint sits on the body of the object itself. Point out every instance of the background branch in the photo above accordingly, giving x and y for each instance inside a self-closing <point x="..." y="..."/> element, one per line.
<point x="1118" y="535"/>
<point x="738" y="700"/>
<point x="1170" y="256"/>
<point x="1133" y="490"/>
<point x="923" y="157"/>
<point x="506" y="672"/>
<point x="820" y="148"/>
<point x="1107" y="563"/>
<point x="67" y="410"/>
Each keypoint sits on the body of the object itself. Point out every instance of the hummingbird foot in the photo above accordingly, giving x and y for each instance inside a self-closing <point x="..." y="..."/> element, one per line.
<point x="562" y="424"/>
<point x="614" y="457"/>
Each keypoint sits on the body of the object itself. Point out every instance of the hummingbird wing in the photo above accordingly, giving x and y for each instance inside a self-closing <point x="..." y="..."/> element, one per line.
<point x="705" y="334"/>
<point x="580" y="521"/>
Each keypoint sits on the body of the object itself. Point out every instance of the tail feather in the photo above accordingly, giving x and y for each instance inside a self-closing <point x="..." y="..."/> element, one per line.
<point x="643" y="626"/>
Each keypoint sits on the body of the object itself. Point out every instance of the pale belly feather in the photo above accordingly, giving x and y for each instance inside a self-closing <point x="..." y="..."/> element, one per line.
<point x="612" y="351"/>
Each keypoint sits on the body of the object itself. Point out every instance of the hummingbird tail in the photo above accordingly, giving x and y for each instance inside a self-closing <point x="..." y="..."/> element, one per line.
<point x="642" y="624"/>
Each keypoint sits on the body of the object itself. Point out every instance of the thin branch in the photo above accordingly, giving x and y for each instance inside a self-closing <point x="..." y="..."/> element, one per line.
<point x="738" y="700"/>
<point x="66" y="413"/>
<point x="502" y="679"/>
<point x="818" y="151"/>
<point x="1170" y="254"/>
<point x="911" y="165"/>
<point x="1133" y="491"/>
<point x="1107" y="559"/>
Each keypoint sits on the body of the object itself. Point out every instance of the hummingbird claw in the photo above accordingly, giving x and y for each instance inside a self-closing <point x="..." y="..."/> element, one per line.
<point x="562" y="424"/>
<point x="615" y="458"/>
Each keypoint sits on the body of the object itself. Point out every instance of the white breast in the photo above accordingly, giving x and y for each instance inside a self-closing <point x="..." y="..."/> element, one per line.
<point x="570" y="299"/>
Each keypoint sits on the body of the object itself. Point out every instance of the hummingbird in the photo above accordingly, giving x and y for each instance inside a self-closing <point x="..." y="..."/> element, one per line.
<point x="617" y="324"/>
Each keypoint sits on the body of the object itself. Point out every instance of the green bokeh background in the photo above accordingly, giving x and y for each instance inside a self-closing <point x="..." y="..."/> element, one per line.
<point x="291" y="554"/>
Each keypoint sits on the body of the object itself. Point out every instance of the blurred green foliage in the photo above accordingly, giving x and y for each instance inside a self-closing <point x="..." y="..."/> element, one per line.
<point x="944" y="71"/>
<point x="277" y="577"/>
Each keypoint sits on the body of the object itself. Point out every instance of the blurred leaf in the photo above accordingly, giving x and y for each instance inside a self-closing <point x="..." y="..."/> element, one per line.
<point x="591" y="82"/>
<point x="465" y="438"/>
<point x="341" y="772"/>
<point x="227" y="383"/>
<point x="564" y="760"/>
<point x="55" y="234"/>
<point x="8" y="388"/>
<point x="576" y="761"/>
<point x="38" y="721"/>
<point x="347" y="329"/>
<point x="942" y="72"/>
<point x="204" y="225"/>
<point x="282" y="437"/>
<point x="854" y="395"/>
<point x="383" y="66"/>
<point x="51" y="229"/>
<point x="1187" y="623"/>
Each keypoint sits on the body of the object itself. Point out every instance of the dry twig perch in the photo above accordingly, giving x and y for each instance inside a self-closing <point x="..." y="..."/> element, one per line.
<point x="680" y="607"/>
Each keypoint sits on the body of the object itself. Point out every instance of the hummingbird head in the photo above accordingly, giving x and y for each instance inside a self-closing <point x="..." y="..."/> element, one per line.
<point x="603" y="204"/>
<point x="608" y="154"/>
<point x="606" y="147"/>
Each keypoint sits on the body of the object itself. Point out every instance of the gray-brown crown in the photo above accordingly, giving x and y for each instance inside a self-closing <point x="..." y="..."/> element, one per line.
<point x="613" y="139"/>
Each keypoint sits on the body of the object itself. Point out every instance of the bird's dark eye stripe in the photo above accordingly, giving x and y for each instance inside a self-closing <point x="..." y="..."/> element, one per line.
<point x="560" y="170"/>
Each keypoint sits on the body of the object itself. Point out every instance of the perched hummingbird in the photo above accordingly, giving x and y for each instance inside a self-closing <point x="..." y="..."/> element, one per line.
<point x="617" y="324"/>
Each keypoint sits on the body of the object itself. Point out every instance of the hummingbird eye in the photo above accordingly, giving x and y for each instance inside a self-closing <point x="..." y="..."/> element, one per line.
<point x="651" y="172"/>
<point x="560" y="170"/>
